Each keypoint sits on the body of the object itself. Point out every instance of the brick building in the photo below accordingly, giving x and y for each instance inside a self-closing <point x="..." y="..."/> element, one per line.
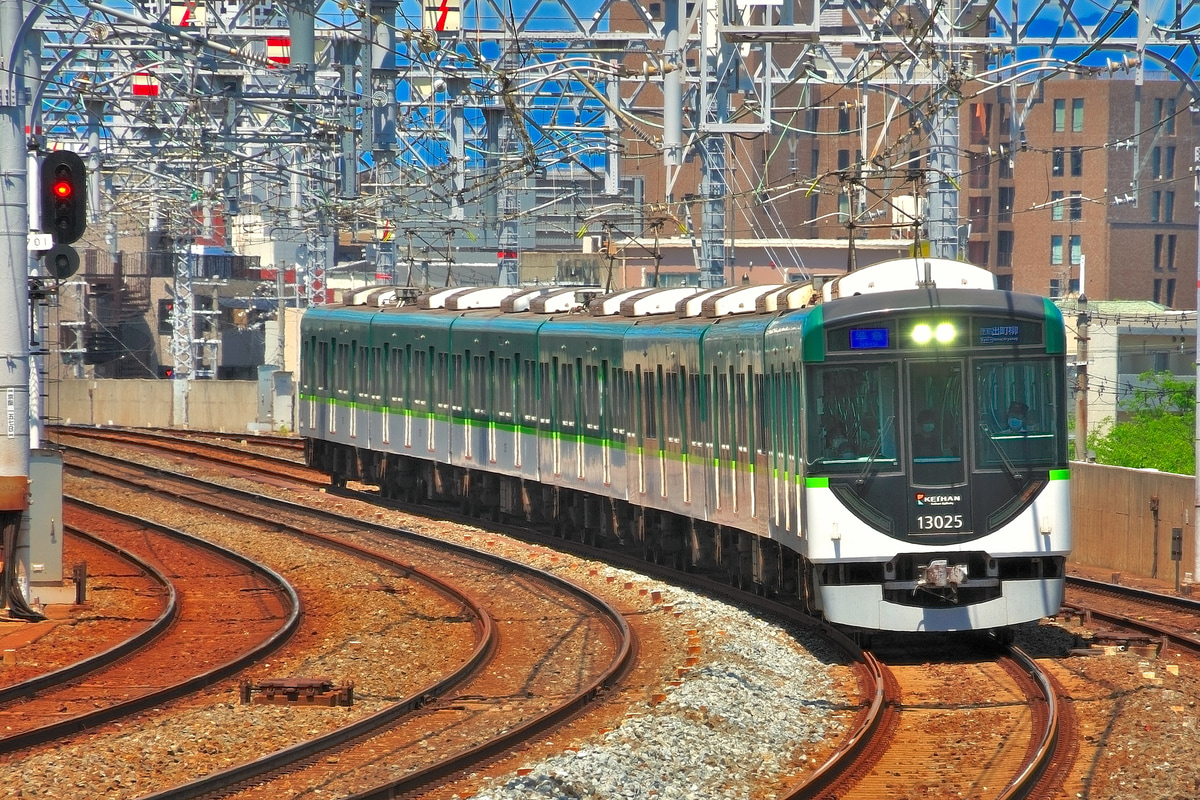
<point x="1087" y="177"/>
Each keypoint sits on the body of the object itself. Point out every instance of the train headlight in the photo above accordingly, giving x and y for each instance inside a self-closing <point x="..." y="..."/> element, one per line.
<point x="944" y="333"/>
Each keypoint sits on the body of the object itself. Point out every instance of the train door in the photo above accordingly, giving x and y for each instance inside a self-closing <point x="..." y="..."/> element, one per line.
<point x="939" y="501"/>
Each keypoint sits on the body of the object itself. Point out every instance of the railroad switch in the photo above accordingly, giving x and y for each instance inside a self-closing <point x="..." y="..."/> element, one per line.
<point x="297" y="691"/>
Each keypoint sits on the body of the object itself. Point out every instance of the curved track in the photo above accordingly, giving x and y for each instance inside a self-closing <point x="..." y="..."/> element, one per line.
<point x="49" y="680"/>
<point x="1163" y="618"/>
<point x="271" y="468"/>
<point x="524" y="588"/>
<point x="962" y="726"/>
<point x="192" y="647"/>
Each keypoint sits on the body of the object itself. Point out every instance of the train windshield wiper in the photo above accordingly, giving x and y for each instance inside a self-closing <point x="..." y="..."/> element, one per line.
<point x="1008" y="465"/>
<point x="862" y="476"/>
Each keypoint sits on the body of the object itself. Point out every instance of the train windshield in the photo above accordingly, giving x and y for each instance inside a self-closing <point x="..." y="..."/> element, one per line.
<point x="852" y="418"/>
<point x="936" y="404"/>
<point x="1019" y="414"/>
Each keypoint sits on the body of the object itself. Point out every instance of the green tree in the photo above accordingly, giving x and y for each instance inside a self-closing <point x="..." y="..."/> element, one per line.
<point x="1160" y="431"/>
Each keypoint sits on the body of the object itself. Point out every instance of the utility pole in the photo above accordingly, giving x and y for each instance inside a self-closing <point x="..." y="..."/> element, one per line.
<point x="183" y="361"/>
<point x="14" y="307"/>
<point x="1196" y="444"/>
<point x="1081" y="379"/>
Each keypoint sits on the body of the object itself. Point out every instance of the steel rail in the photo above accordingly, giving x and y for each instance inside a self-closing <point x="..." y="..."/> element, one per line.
<point x="118" y="651"/>
<point x="48" y="733"/>
<point x="1025" y="782"/>
<point x="289" y="757"/>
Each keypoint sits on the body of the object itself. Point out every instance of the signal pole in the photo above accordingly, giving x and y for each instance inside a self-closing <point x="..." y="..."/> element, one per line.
<point x="14" y="307"/>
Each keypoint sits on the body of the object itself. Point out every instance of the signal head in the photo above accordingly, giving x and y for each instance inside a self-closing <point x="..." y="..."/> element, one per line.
<point x="64" y="196"/>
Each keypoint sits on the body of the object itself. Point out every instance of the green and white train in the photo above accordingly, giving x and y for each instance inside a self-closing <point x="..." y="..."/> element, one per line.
<point x="890" y="448"/>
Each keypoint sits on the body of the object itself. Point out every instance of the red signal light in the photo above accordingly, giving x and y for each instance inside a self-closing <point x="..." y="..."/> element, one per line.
<point x="62" y="189"/>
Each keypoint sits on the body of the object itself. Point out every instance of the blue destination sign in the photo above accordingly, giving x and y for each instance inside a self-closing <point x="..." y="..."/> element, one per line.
<point x="999" y="334"/>
<point x="868" y="338"/>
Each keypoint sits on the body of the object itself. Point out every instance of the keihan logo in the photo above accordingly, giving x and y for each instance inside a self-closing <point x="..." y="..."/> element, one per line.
<point x="937" y="499"/>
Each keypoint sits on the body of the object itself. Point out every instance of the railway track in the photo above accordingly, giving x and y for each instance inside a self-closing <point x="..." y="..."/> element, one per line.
<point x="584" y="631"/>
<point x="961" y="726"/>
<point x="127" y="602"/>
<point x="284" y="471"/>
<point x="1159" y="619"/>
<point x="236" y="440"/>
<point x="877" y="745"/>
<point x="192" y="647"/>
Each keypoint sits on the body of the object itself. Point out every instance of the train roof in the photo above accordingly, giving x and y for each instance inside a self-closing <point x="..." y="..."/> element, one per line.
<point x="887" y="286"/>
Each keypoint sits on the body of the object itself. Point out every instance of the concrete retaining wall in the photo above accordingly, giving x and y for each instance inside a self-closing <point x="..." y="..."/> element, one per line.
<point x="1115" y="524"/>
<point x="212" y="405"/>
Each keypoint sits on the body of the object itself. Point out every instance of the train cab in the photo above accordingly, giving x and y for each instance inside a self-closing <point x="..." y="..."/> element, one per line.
<point x="936" y="458"/>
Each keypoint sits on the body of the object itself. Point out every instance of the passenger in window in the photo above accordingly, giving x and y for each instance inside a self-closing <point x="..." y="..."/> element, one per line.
<point x="927" y="440"/>
<point x="837" y="445"/>
<point x="874" y="441"/>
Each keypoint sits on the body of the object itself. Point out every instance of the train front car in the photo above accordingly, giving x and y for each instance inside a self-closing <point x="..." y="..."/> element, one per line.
<point x="935" y="489"/>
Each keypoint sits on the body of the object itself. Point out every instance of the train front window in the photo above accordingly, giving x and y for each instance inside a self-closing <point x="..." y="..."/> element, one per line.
<point x="852" y="418"/>
<point x="1019" y="414"/>
<point x="936" y="409"/>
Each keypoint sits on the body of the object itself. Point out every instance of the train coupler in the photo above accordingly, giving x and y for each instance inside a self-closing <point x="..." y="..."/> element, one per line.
<point x="941" y="574"/>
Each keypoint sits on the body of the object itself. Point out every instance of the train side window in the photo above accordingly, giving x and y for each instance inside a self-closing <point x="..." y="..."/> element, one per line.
<point x="396" y="375"/>
<point x="306" y="365"/>
<point x="671" y="408"/>
<point x="362" y="372"/>
<point x="650" y="393"/>
<point x="741" y="413"/>
<point x="545" y="396"/>
<point x="591" y="398"/>
<point x="506" y="398"/>
<point x="704" y="432"/>
<point x="381" y="371"/>
<point x="479" y="385"/>
<point x="756" y="409"/>
<point x="441" y="382"/>
<point x="529" y="392"/>
<point x="322" y="366"/>
<point x="564" y="396"/>
<point x="624" y="415"/>
<point x="682" y="409"/>
<point x="789" y="440"/>
<point x="418" y="385"/>
<point x="766" y="412"/>
<point x="458" y="385"/>
<point x="694" y="401"/>
<point x="722" y="413"/>
<point x="638" y="402"/>
<point x="341" y="366"/>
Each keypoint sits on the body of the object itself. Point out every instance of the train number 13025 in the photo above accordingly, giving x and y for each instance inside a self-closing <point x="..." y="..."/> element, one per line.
<point x="939" y="522"/>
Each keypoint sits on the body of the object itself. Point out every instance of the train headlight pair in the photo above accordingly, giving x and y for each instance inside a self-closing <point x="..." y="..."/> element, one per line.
<point x="944" y="332"/>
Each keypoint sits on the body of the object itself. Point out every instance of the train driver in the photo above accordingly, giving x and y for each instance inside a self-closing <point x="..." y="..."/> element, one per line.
<point x="1017" y="412"/>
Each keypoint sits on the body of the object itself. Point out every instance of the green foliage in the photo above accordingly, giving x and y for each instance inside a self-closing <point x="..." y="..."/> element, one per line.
<point x="1160" y="432"/>
<point x="1164" y="393"/>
